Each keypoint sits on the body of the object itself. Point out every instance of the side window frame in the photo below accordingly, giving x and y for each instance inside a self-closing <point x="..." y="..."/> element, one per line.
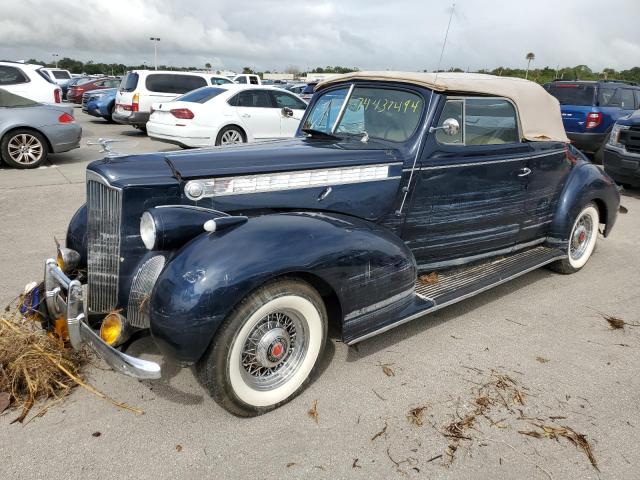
<point x="25" y="77"/>
<point x="464" y="99"/>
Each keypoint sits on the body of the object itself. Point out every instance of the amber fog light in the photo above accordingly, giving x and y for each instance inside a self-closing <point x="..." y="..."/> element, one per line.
<point x="67" y="259"/>
<point x="112" y="329"/>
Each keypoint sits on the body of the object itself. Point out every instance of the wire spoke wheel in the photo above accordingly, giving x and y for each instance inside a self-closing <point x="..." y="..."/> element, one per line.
<point x="581" y="236"/>
<point x="25" y="149"/>
<point x="273" y="350"/>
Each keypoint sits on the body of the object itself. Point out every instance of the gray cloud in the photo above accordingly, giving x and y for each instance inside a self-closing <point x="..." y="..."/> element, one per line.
<point x="370" y="34"/>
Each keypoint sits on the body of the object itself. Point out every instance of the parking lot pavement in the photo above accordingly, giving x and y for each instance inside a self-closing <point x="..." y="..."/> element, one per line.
<point x="541" y="330"/>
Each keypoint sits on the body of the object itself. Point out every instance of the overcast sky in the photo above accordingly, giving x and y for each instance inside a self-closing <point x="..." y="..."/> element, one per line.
<point x="369" y="34"/>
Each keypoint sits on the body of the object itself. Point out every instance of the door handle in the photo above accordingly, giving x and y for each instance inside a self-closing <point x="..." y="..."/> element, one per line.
<point x="524" y="172"/>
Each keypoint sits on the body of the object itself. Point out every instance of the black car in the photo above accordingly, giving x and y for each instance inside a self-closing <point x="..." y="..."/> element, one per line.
<point x="622" y="151"/>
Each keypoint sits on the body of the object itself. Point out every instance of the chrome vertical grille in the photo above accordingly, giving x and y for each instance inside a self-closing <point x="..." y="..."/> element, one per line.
<point x="141" y="287"/>
<point x="104" y="206"/>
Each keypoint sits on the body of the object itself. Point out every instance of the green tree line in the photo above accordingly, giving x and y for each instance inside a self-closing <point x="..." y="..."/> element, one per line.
<point x="540" y="75"/>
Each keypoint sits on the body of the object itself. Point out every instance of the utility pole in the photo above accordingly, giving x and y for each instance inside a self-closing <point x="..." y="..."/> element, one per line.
<point x="55" y="58"/>
<point x="155" y="41"/>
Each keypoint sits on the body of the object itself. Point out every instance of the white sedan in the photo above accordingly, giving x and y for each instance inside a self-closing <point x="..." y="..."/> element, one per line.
<point x="225" y="115"/>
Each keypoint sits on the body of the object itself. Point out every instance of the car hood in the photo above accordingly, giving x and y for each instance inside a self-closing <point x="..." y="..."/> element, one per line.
<point x="264" y="157"/>
<point x="633" y="119"/>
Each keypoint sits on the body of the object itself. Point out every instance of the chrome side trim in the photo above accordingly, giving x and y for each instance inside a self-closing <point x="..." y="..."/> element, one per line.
<point x="292" y="180"/>
<point x="381" y="304"/>
<point x="461" y="261"/>
<point x="489" y="162"/>
<point x="451" y="302"/>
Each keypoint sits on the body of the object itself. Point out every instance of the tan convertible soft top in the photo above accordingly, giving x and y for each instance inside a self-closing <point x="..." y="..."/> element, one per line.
<point x="539" y="112"/>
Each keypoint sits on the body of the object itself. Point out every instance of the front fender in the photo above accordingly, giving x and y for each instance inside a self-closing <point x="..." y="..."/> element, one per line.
<point x="586" y="183"/>
<point x="361" y="262"/>
<point x="77" y="234"/>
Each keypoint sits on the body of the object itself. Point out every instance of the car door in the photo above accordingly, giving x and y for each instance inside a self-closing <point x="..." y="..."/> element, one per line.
<point x="291" y="110"/>
<point x="256" y="111"/>
<point x="469" y="194"/>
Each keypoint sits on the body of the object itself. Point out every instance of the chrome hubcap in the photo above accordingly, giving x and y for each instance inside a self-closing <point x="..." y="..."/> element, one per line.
<point x="25" y="149"/>
<point x="231" y="137"/>
<point x="274" y="350"/>
<point x="581" y="237"/>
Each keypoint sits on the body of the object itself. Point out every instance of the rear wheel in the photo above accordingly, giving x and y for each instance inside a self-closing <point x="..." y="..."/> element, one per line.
<point x="230" y="136"/>
<point x="266" y="350"/>
<point x="582" y="241"/>
<point x="23" y="148"/>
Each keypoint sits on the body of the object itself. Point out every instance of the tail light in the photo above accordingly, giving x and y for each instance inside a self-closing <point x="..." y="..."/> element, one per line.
<point x="183" y="113"/>
<point x="57" y="97"/>
<point x="135" y="103"/>
<point x="593" y="119"/>
<point x="66" y="118"/>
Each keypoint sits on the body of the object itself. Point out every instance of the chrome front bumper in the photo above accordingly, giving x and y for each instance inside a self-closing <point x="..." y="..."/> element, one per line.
<point x="57" y="285"/>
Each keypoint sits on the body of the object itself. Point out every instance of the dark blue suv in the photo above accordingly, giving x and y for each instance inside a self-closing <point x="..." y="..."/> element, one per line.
<point x="590" y="108"/>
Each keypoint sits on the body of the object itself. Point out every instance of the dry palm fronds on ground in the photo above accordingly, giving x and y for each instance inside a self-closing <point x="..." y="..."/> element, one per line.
<point x="33" y="365"/>
<point x="579" y="440"/>
<point x="501" y="393"/>
<point x="616" y="323"/>
<point x="38" y="366"/>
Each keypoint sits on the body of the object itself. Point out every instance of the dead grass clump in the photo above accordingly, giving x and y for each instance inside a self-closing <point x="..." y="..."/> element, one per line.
<point x="33" y="365"/>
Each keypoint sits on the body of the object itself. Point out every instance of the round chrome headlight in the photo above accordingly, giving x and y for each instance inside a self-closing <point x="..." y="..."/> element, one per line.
<point x="148" y="230"/>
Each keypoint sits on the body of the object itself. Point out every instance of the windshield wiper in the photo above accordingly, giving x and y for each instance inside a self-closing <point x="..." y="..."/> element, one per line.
<point x="313" y="132"/>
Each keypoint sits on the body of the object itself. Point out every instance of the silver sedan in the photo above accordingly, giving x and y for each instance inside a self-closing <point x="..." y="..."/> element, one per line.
<point x="30" y="131"/>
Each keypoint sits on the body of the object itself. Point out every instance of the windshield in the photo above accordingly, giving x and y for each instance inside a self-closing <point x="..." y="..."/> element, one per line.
<point x="381" y="113"/>
<point x="201" y="95"/>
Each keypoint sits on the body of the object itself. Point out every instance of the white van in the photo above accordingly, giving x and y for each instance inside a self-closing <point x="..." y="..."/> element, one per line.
<point x="139" y="89"/>
<point x="247" y="79"/>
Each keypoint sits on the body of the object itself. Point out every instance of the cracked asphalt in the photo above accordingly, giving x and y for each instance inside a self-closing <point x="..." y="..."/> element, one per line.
<point x="542" y="330"/>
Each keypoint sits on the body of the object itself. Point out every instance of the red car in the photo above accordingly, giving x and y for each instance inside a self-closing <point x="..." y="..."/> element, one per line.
<point x="74" y="94"/>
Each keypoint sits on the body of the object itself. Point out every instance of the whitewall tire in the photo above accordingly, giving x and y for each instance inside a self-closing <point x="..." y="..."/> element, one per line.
<point x="266" y="350"/>
<point x="582" y="240"/>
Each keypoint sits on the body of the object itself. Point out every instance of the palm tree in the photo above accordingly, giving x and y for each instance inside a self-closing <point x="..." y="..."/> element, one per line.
<point x="530" y="57"/>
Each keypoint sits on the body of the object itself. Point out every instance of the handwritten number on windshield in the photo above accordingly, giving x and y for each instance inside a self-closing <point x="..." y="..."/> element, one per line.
<point x="384" y="104"/>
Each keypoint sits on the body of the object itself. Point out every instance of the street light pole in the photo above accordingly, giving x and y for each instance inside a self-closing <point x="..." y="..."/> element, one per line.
<point x="155" y="41"/>
<point x="55" y="58"/>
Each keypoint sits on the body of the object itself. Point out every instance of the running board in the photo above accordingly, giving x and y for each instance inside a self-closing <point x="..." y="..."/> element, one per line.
<point x="457" y="284"/>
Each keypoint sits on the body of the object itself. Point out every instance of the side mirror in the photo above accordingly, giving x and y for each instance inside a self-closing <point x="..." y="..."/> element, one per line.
<point x="287" y="112"/>
<point x="450" y="127"/>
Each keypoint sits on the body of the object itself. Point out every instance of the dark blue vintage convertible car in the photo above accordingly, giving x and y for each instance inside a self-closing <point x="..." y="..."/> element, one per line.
<point x="238" y="258"/>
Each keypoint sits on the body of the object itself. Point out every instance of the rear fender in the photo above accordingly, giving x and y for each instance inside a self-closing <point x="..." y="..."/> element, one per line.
<point x="586" y="183"/>
<point x="364" y="264"/>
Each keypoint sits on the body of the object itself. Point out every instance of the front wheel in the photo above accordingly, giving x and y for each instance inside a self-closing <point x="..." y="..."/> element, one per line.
<point x="267" y="349"/>
<point x="582" y="241"/>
